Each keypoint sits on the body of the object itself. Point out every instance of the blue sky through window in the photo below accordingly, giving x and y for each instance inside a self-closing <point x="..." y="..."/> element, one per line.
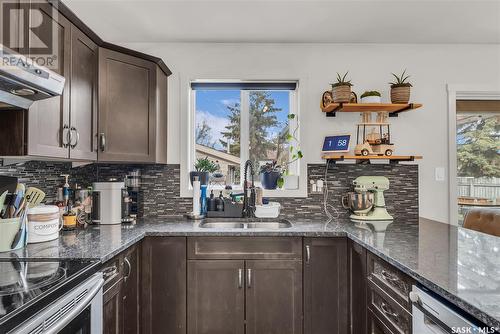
<point x="211" y="107"/>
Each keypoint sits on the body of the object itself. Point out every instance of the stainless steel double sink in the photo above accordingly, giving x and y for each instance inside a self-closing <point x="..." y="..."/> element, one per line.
<point x="245" y="224"/>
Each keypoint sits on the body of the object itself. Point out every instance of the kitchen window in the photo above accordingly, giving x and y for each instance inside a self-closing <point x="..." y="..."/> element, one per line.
<point x="237" y="121"/>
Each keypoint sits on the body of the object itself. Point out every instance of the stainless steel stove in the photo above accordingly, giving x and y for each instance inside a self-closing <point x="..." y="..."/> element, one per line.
<point x="63" y="296"/>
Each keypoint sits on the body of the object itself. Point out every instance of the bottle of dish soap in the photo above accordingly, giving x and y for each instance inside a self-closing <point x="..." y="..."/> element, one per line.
<point x="211" y="202"/>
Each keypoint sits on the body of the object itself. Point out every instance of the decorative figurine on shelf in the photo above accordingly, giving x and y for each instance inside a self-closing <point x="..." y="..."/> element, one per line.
<point x="373" y="138"/>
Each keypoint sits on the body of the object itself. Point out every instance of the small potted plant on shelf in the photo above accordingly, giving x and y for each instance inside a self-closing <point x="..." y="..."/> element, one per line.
<point x="341" y="90"/>
<point x="400" y="88"/>
<point x="270" y="175"/>
<point x="288" y="179"/>
<point x="371" y="96"/>
<point x="203" y="168"/>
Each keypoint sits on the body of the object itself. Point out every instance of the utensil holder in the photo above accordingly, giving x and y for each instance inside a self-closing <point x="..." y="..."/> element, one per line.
<point x="8" y="230"/>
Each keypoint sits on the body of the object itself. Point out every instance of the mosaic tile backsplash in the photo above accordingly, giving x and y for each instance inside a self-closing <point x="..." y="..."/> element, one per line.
<point x="160" y="186"/>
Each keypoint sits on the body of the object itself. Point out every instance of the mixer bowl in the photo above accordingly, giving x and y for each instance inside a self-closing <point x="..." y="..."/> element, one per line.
<point x="359" y="203"/>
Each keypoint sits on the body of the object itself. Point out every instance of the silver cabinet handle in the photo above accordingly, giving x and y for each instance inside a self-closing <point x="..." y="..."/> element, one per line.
<point x="387" y="311"/>
<point x="102" y="141"/>
<point x="240" y="278"/>
<point x="71" y="137"/>
<point x="308" y="253"/>
<point x="389" y="277"/>
<point x="249" y="278"/>
<point x="109" y="273"/>
<point x="66" y="134"/>
<point x="129" y="269"/>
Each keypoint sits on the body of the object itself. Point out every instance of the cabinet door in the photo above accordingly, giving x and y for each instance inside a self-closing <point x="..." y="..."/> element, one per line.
<point x="49" y="118"/>
<point x="112" y="309"/>
<point x="216" y="297"/>
<point x="357" y="288"/>
<point x="130" y="291"/>
<point x="163" y="283"/>
<point x="325" y="286"/>
<point x="127" y="108"/>
<point x="83" y="101"/>
<point x="274" y="296"/>
<point x="11" y="25"/>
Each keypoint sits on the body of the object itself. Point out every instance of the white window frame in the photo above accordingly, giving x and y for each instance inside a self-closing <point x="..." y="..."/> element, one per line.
<point x="188" y="130"/>
<point x="460" y="92"/>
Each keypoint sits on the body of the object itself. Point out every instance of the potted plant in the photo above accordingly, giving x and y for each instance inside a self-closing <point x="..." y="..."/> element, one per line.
<point x="371" y="96"/>
<point x="203" y="167"/>
<point x="341" y="90"/>
<point x="289" y="180"/>
<point x="270" y="174"/>
<point x="400" y="88"/>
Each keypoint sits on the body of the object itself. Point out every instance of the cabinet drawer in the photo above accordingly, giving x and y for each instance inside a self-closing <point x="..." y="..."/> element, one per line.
<point x="388" y="311"/>
<point x="376" y="326"/>
<point x="390" y="279"/>
<point x="245" y="248"/>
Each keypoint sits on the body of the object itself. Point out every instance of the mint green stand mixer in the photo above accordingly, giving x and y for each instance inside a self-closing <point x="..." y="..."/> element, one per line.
<point x="367" y="202"/>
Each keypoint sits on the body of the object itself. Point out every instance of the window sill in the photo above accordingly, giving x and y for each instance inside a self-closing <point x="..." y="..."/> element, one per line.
<point x="277" y="193"/>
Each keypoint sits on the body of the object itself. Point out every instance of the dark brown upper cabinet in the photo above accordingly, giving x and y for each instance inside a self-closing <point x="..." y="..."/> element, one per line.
<point x="129" y="123"/>
<point x="325" y="286"/>
<point x="48" y="120"/>
<point x="83" y="101"/>
<point x="132" y="109"/>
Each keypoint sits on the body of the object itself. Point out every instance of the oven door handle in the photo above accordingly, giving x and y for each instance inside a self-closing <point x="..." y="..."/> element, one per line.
<point x="77" y="310"/>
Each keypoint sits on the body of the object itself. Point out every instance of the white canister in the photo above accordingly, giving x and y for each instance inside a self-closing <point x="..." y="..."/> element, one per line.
<point x="44" y="223"/>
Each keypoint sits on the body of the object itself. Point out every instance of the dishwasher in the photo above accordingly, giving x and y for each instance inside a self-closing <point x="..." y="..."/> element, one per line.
<point x="431" y="315"/>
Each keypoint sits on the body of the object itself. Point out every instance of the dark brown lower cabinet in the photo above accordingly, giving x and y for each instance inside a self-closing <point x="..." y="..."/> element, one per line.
<point x="237" y="296"/>
<point x="273" y="296"/>
<point x="163" y="285"/>
<point x="326" y="303"/>
<point x="130" y="291"/>
<point x="357" y="288"/>
<point x="121" y="299"/>
<point x="216" y="297"/>
<point x="112" y="309"/>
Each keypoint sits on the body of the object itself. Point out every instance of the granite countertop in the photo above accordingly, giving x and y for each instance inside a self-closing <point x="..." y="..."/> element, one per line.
<point x="461" y="265"/>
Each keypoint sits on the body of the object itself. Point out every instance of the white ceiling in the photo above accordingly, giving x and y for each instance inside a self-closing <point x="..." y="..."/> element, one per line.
<point x="355" y="21"/>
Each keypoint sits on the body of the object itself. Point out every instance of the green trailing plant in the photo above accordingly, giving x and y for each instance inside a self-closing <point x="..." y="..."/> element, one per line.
<point x="401" y="80"/>
<point x="371" y="93"/>
<point x="342" y="81"/>
<point x="205" y="165"/>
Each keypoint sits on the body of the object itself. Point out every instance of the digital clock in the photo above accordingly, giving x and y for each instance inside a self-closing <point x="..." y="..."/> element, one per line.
<point x="339" y="143"/>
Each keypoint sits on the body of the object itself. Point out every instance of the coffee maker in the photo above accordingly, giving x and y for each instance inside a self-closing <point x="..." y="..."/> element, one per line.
<point x="367" y="202"/>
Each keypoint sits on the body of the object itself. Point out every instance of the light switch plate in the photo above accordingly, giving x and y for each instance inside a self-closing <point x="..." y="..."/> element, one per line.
<point x="440" y="174"/>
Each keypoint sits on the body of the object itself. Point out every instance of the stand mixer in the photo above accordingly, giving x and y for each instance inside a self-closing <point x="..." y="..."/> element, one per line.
<point x="367" y="202"/>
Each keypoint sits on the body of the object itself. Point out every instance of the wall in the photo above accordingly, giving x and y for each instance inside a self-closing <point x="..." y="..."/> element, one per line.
<point x="423" y="131"/>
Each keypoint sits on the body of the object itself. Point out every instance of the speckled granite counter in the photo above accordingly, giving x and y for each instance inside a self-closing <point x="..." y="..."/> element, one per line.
<point x="461" y="265"/>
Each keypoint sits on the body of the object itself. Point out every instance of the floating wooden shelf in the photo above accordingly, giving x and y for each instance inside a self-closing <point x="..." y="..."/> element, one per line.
<point x="392" y="108"/>
<point x="366" y="159"/>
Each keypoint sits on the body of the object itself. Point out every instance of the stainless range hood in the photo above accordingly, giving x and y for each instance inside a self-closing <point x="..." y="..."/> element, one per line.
<point x="23" y="82"/>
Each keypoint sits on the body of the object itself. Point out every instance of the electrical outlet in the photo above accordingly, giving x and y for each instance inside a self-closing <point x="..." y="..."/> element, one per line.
<point x="439" y="174"/>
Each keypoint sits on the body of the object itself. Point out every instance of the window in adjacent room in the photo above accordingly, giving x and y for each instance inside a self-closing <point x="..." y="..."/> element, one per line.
<point x="236" y="121"/>
<point x="478" y="155"/>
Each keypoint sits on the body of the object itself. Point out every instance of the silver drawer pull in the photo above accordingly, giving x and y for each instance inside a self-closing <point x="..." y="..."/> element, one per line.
<point x="308" y="254"/>
<point x="389" y="277"/>
<point x="109" y="272"/>
<point x="387" y="311"/>
<point x="240" y="278"/>
<point x="249" y="278"/>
